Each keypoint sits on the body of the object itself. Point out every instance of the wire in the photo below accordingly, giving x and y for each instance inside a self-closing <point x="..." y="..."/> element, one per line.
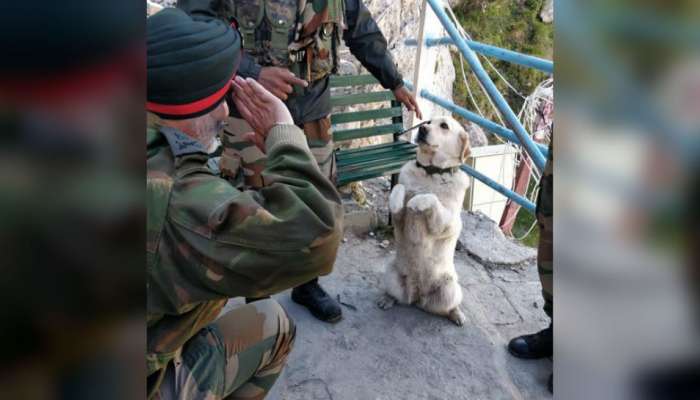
<point x="466" y="84"/>
<point x="493" y="67"/>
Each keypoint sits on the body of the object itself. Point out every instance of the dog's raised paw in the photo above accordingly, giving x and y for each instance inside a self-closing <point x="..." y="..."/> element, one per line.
<point x="422" y="202"/>
<point x="397" y="199"/>
<point x="457" y="316"/>
<point x="385" y="302"/>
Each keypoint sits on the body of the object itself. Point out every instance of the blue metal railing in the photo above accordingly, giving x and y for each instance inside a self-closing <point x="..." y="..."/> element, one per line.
<point x="518" y="135"/>
<point x="525" y="203"/>
<point x="493" y="51"/>
<point x="491" y="90"/>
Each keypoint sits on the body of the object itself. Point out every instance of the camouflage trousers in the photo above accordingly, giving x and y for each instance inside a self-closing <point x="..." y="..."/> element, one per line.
<point x="241" y="154"/>
<point x="545" y="220"/>
<point x="239" y="356"/>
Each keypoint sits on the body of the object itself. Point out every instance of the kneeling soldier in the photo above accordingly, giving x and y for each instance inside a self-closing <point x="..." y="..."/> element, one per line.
<point x="208" y="241"/>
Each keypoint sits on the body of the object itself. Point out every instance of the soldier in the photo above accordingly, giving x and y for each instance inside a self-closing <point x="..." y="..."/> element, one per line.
<point x="207" y="241"/>
<point x="540" y="344"/>
<point x="291" y="48"/>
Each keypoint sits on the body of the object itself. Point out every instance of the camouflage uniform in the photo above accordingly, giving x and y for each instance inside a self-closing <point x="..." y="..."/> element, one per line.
<point x="276" y="33"/>
<point x="241" y="160"/>
<point x="208" y="241"/>
<point x="239" y="356"/>
<point x="545" y="218"/>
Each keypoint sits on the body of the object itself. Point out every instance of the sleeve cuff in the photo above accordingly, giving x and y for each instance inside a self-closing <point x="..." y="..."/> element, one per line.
<point x="249" y="68"/>
<point x="396" y="82"/>
<point x="285" y="135"/>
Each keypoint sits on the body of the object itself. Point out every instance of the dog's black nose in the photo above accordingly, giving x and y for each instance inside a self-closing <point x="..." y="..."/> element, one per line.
<point x="422" y="135"/>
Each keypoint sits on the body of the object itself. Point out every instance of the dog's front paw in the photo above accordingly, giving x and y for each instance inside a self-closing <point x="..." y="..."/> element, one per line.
<point x="457" y="316"/>
<point x="397" y="198"/>
<point x="386" y="302"/>
<point x="422" y="202"/>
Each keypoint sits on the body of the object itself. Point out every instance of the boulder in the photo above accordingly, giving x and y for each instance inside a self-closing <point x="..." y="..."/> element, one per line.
<point x="547" y="12"/>
<point x="484" y="241"/>
<point x="477" y="137"/>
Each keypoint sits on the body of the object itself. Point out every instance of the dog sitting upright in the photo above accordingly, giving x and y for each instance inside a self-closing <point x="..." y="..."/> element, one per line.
<point x="425" y="208"/>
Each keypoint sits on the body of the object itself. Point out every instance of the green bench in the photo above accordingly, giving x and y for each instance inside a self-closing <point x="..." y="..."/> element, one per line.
<point x="358" y="164"/>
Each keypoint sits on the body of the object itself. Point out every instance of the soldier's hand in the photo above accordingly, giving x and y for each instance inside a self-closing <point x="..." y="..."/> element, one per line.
<point x="279" y="81"/>
<point x="259" y="108"/>
<point x="406" y="97"/>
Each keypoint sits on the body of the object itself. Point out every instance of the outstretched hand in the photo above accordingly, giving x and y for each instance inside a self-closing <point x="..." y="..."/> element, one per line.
<point x="279" y="81"/>
<point x="260" y="108"/>
<point x="405" y="97"/>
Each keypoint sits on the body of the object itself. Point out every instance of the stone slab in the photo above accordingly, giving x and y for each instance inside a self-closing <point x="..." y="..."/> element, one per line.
<point x="483" y="240"/>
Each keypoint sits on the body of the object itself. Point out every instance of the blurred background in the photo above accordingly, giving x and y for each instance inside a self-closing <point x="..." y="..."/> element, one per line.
<point x="627" y="136"/>
<point x="72" y="209"/>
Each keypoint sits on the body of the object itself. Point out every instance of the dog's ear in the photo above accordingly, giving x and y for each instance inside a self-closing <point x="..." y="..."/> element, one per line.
<point x="466" y="148"/>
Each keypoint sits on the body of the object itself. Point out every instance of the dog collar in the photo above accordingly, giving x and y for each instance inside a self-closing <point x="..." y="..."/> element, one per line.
<point x="431" y="170"/>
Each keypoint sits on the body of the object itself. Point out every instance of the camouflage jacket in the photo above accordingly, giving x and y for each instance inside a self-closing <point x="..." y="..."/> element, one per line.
<point x="208" y="241"/>
<point x="360" y="33"/>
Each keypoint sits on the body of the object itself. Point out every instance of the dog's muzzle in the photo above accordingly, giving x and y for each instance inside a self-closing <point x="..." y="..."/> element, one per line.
<point x="422" y="135"/>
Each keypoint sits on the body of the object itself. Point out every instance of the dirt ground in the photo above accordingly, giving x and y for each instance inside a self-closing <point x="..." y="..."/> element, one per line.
<point x="404" y="353"/>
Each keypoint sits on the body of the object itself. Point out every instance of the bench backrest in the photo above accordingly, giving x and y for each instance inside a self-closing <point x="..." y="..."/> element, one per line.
<point x="393" y="109"/>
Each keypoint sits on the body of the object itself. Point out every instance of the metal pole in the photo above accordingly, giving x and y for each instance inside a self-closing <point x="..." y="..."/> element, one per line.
<point x="490" y="87"/>
<point x="479" y="120"/>
<point x="412" y="117"/>
<point x="522" y="179"/>
<point x="493" y="51"/>
<point x="525" y="203"/>
<point x="502" y="54"/>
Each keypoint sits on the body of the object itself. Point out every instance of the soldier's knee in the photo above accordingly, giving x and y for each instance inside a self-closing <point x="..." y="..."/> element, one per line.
<point x="277" y="317"/>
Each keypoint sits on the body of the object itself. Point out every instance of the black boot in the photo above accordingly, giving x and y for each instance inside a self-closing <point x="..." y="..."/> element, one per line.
<point x="312" y="296"/>
<point x="537" y="345"/>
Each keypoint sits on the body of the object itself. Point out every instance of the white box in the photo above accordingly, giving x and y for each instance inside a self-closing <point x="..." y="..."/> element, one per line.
<point x="498" y="162"/>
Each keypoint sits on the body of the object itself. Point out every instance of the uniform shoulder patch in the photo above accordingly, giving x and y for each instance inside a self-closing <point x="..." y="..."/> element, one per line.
<point x="181" y="144"/>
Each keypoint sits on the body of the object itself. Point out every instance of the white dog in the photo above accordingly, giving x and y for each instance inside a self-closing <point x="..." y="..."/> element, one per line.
<point x="425" y="208"/>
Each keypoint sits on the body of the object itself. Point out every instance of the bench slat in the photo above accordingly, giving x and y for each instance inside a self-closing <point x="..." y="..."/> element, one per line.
<point x="352" y="80"/>
<point x="348" y="165"/>
<point x="349" y="134"/>
<point x="367" y="162"/>
<point x="361" y="98"/>
<point x="343" y="152"/>
<point x="365" y="115"/>
<point x="384" y="148"/>
<point x="379" y="170"/>
<point x="382" y="154"/>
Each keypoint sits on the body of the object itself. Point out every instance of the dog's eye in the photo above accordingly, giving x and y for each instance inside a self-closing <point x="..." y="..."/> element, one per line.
<point x="444" y="125"/>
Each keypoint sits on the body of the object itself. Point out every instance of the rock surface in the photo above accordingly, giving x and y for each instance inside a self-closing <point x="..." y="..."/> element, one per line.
<point x="547" y="13"/>
<point x="163" y="3"/>
<point x="483" y="239"/>
<point x="477" y="137"/>
<point x="399" y="20"/>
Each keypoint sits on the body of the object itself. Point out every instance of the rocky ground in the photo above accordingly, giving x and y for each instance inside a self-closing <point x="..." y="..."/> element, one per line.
<point x="406" y="354"/>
